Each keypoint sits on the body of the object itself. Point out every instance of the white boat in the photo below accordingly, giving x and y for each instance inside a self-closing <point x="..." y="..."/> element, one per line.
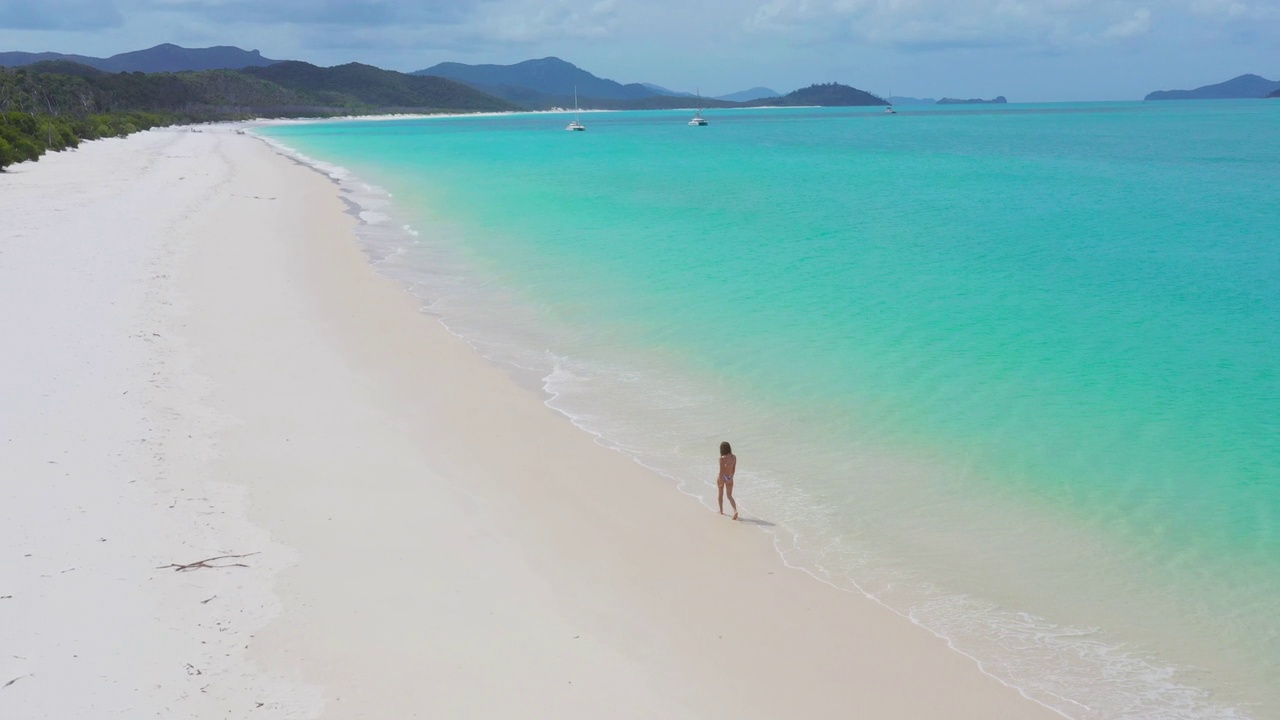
<point x="575" y="124"/>
<point x="888" y="110"/>
<point x="698" y="120"/>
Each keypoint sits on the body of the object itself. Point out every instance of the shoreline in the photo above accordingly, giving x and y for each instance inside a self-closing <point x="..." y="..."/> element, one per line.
<point x="363" y="433"/>
<point x="991" y="633"/>
<point x="356" y="190"/>
<point x="508" y="113"/>
<point x="544" y="399"/>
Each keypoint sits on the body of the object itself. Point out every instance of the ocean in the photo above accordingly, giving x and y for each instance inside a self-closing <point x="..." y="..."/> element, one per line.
<point x="1012" y="371"/>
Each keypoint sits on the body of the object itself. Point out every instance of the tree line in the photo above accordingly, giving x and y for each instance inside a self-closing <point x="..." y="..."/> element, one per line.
<point x="42" y="112"/>
<point x="52" y="106"/>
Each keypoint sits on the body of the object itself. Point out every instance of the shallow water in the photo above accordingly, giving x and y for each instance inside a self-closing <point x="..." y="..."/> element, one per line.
<point x="1012" y="371"/>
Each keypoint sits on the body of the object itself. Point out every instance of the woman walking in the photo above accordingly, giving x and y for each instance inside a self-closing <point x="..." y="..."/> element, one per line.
<point x="724" y="483"/>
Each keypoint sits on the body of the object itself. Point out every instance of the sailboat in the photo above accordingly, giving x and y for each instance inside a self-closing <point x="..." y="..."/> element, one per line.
<point x="888" y="110"/>
<point x="574" y="124"/>
<point x="698" y="120"/>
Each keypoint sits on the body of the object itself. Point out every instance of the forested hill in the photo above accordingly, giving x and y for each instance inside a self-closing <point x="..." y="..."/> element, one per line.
<point x="55" y="105"/>
<point x="284" y="89"/>
<point x="355" y="84"/>
<point x="161" y="58"/>
<point x="1244" y="86"/>
<point x="549" y="76"/>
<point x="554" y="83"/>
<point x="823" y="95"/>
<point x="63" y="88"/>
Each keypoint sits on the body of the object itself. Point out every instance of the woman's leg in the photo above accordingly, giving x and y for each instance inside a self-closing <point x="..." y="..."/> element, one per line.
<point x="728" y="486"/>
<point x="720" y="491"/>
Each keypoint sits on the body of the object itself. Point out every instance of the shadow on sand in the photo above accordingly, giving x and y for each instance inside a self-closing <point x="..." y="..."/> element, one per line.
<point x="756" y="521"/>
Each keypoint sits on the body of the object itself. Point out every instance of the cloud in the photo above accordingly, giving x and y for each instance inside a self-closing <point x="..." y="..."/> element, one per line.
<point x="1138" y="24"/>
<point x="537" y="21"/>
<point x="404" y="24"/>
<point x="1240" y="23"/>
<point x="503" y="24"/>
<point x="1236" y="10"/>
<point x="940" y="24"/>
<point x="338" y="13"/>
<point x="59" y="15"/>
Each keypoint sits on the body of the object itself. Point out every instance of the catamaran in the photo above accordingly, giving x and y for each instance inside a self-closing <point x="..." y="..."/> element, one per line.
<point x="574" y="124"/>
<point x="698" y="120"/>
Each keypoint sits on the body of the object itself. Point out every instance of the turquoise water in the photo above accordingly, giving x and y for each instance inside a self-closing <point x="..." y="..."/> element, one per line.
<point x="1012" y="371"/>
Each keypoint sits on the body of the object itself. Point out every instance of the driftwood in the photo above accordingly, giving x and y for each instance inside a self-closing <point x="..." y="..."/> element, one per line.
<point x="13" y="681"/>
<point x="205" y="563"/>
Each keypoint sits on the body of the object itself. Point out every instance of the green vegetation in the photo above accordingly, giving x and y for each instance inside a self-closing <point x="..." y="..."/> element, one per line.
<point x="41" y="111"/>
<point x="366" y="87"/>
<point x="25" y="136"/>
<point x="51" y="106"/>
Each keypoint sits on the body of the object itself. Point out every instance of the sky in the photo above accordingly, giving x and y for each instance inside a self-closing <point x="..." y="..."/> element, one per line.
<point x="1029" y="51"/>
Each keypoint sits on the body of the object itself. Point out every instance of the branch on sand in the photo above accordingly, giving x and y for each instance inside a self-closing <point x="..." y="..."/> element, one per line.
<point x="13" y="681"/>
<point x="205" y="563"/>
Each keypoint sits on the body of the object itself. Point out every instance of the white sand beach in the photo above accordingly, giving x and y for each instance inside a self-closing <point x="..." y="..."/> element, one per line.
<point x="198" y="360"/>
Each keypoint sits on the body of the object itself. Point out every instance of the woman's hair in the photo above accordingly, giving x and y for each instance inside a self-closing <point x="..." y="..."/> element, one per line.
<point x="725" y="449"/>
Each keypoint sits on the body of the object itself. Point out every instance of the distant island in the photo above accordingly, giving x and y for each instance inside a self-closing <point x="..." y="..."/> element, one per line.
<point x="1242" y="87"/>
<point x="997" y="100"/>
<point x="1275" y="93"/>
<point x="824" y="95"/>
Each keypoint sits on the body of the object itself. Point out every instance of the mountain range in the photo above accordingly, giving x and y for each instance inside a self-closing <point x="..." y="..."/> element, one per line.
<point x="1244" y="86"/>
<point x="554" y="83"/>
<point x="547" y="76"/>
<point x="747" y="95"/>
<point x="283" y="89"/>
<point x="161" y="58"/>
<point x="375" y="87"/>
<point x="551" y="82"/>
<point x="535" y="84"/>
